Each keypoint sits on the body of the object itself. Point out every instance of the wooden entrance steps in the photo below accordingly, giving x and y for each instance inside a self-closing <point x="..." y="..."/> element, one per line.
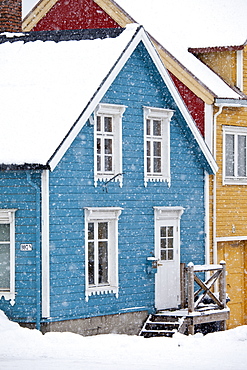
<point x="162" y="325"/>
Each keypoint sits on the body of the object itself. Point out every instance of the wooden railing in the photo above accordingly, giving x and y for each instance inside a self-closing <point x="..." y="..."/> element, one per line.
<point x="216" y="282"/>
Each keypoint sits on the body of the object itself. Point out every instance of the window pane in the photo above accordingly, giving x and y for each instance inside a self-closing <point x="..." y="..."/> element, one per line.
<point x="103" y="263"/>
<point x="108" y="163"/>
<point x="148" y="127"/>
<point x="108" y="124"/>
<point x="157" y="148"/>
<point x="170" y="255"/>
<point x="148" y="165"/>
<point x="98" y="163"/>
<point x="170" y="242"/>
<point x="4" y="266"/>
<point x="4" y="232"/>
<point x="163" y="255"/>
<point x="229" y="155"/>
<point x="98" y="146"/>
<point x="148" y="148"/>
<point x="170" y="231"/>
<point x="90" y="231"/>
<point x="157" y="165"/>
<point x="108" y="146"/>
<point x="241" y="155"/>
<point x="91" y="263"/>
<point x="163" y="243"/>
<point x="98" y="123"/>
<point x="156" y="128"/>
<point x="163" y="231"/>
<point x="103" y="230"/>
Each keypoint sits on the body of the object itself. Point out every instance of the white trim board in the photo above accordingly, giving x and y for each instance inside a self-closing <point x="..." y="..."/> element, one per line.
<point x="231" y="238"/>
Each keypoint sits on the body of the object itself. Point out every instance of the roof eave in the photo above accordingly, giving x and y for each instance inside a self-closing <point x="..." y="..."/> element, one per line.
<point x="231" y="102"/>
<point x="23" y="167"/>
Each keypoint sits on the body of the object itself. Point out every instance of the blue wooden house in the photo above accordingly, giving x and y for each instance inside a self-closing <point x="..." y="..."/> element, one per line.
<point x="103" y="181"/>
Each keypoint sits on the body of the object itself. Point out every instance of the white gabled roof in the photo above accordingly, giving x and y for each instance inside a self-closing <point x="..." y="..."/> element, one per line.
<point x="45" y="86"/>
<point x="49" y="89"/>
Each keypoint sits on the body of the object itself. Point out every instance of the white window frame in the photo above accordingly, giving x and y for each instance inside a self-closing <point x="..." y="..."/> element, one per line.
<point x="7" y="216"/>
<point x="235" y="179"/>
<point x="110" y="215"/>
<point x="116" y="113"/>
<point x="164" y="115"/>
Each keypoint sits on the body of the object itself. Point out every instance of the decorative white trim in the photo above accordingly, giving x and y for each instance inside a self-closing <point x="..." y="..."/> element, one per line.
<point x="233" y="180"/>
<point x="138" y="37"/>
<point x="45" y="244"/>
<point x="168" y="213"/>
<point x="110" y="215"/>
<point x="230" y="238"/>
<point x="164" y="115"/>
<point x="240" y="69"/>
<point x="116" y="112"/>
<point x="7" y="216"/>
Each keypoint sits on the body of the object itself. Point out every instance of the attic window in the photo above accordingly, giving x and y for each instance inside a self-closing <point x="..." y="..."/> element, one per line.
<point x="108" y="142"/>
<point x="157" y="144"/>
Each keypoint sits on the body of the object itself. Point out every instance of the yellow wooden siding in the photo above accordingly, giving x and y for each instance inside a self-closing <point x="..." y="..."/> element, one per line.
<point x="234" y="253"/>
<point x="231" y="199"/>
<point x="223" y="63"/>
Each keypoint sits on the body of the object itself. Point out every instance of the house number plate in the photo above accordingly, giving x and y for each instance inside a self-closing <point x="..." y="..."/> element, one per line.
<point x="26" y="247"/>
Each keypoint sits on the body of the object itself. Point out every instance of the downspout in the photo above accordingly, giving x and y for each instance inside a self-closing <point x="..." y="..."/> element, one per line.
<point x="206" y="197"/>
<point x="215" y="187"/>
<point x="38" y="250"/>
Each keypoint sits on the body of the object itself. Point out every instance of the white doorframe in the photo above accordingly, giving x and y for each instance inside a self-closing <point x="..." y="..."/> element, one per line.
<point x="167" y="279"/>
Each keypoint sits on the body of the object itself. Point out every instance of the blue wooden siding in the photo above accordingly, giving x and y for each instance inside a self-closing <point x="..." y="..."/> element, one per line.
<point x="72" y="189"/>
<point x="16" y="192"/>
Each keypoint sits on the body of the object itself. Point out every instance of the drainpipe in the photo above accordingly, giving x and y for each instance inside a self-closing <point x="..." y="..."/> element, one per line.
<point x="38" y="248"/>
<point x="215" y="187"/>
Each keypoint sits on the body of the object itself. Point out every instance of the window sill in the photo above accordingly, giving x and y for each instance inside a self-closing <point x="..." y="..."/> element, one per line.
<point x="8" y="296"/>
<point x="157" y="179"/>
<point x="107" y="178"/>
<point x="235" y="181"/>
<point x="106" y="289"/>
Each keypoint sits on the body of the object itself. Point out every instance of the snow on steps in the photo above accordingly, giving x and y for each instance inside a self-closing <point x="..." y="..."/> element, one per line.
<point x="162" y="325"/>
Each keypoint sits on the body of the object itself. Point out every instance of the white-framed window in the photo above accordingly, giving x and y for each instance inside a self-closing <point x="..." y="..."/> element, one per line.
<point x="7" y="254"/>
<point x="234" y="155"/>
<point x="157" y="144"/>
<point x="108" y="142"/>
<point x="101" y="250"/>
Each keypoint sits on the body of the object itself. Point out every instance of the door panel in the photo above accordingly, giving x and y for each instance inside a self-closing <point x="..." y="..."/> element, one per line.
<point x="167" y="283"/>
<point x="234" y="255"/>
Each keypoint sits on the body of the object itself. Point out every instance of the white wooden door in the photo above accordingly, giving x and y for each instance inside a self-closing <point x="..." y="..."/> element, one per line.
<point x="167" y="253"/>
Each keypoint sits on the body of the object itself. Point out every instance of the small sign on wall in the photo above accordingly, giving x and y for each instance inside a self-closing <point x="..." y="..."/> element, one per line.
<point x="26" y="247"/>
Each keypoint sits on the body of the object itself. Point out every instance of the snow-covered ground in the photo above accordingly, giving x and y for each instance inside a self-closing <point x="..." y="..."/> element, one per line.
<point x="30" y="350"/>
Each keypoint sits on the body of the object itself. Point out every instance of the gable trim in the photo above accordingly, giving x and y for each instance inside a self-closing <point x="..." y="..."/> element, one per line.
<point x="140" y="35"/>
<point x="37" y="13"/>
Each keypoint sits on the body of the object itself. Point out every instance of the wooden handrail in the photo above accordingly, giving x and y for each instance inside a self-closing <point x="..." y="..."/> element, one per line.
<point x="205" y="287"/>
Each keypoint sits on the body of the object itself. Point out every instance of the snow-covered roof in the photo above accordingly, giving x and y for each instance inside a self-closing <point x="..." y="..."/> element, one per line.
<point x="52" y="81"/>
<point x="180" y="24"/>
<point x="45" y="86"/>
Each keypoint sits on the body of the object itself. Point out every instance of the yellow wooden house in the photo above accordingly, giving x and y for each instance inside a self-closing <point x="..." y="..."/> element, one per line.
<point x="229" y="186"/>
<point x="221" y="87"/>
